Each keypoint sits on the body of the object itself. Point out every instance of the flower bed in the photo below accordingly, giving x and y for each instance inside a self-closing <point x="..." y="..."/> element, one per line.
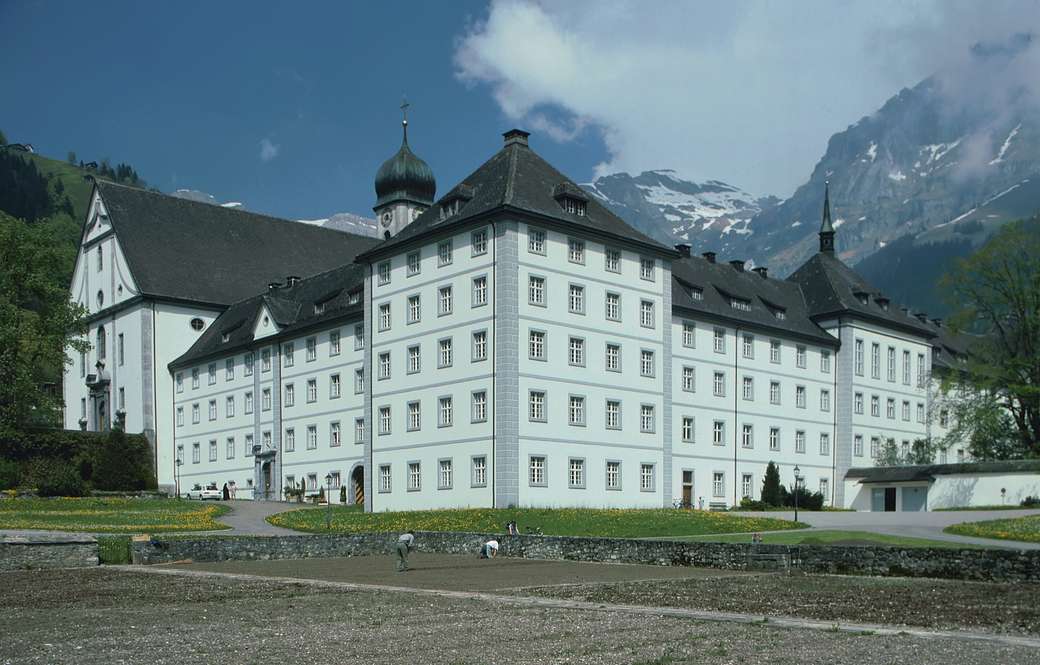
<point x="1019" y="528"/>
<point x="110" y="515"/>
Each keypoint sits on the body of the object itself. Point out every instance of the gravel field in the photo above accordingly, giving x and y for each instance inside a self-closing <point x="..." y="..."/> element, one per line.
<point x="115" y="616"/>
<point x="940" y="604"/>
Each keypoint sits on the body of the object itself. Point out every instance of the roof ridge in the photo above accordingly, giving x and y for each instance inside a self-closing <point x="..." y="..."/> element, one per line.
<point x="514" y="158"/>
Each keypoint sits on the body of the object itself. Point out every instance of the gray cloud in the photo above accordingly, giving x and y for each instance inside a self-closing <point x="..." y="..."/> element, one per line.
<point x="268" y="150"/>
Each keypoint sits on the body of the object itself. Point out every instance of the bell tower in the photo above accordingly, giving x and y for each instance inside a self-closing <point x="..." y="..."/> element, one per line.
<point x="826" y="228"/>
<point x="405" y="186"/>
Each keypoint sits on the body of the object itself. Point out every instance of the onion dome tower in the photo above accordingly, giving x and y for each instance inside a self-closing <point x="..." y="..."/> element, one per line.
<point x="405" y="186"/>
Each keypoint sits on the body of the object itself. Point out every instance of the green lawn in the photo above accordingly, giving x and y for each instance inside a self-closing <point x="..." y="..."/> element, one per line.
<point x="1012" y="507"/>
<point x="110" y="515"/>
<point x="551" y="521"/>
<point x="835" y="537"/>
<point x="1018" y="528"/>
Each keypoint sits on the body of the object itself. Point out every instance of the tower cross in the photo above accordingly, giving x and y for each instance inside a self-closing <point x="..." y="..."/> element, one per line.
<point x="404" y="108"/>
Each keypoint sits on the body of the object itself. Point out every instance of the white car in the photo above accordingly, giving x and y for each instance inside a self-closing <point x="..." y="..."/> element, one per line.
<point x="201" y="493"/>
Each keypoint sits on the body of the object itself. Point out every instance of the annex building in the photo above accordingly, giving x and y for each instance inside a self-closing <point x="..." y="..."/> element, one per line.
<point x="513" y="342"/>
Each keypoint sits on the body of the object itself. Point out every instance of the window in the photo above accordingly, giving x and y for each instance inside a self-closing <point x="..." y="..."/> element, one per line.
<point x="646" y="313"/>
<point x="875" y="406"/>
<point x="646" y="363"/>
<point x="229" y="448"/>
<point x="536" y="406"/>
<point x="890" y="409"/>
<point x="825" y="490"/>
<point x="612" y="260"/>
<point x="536" y="241"/>
<point x="414" y="417"/>
<point x="536" y="471"/>
<point x="312" y="390"/>
<point x="444" y="252"/>
<point x="335" y="435"/>
<point x="290" y="439"/>
<point x="576" y="473"/>
<point x="646" y="269"/>
<point x="444" y="474"/>
<point x="825" y="443"/>
<point x="180" y="412"/>
<point x="334" y="386"/>
<point x="265" y="360"/>
<point x="478" y="242"/>
<point x="384" y="420"/>
<point x="576" y="411"/>
<point x="288" y="354"/>
<point x="359" y="381"/>
<point x="747" y="436"/>
<point x="875" y="447"/>
<point x="748" y="348"/>
<point x="576" y="351"/>
<point x="613" y="307"/>
<point x="536" y="345"/>
<point x="100" y="258"/>
<point x="906" y="410"/>
<point x="196" y="453"/>
<point x="334" y="343"/>
<point x="920" y="370"/>
<point x="247" y="362"/>
<point x="384" y="365"/>
<point x="479" y="345"/>
<point x="613" y="414"/>
<point x="774" y="351"/>
<point x="718" y="484"/>
<point x="414" y="359"/>
<point x="384" y="477"/>
<point x="248" y="403"/>
<point x="248" y="444"/>
<point x="687" y="429"/>
<point x="122" y="399"/>
<point x="576" y="299"/>
<point x="720" y="340"/>
<point x="741" y="304"/>
<point x="825" y="361"/>
<point x="384" y="273"/>
<point x="825" y="400"/>
<point x="799" y="357"/>
<point x="445" y="412"/>
<point x="414" y="309"/>
<point x="414" y="477"/>
<point x="536" y="291"/>
<point x="646" y="418"/>
<point x="859" y="357"/>
<point x="444" y="300"/>
<point x="414" y="263"/>
<point x="799" y="397"/>
<point x="718" y="433"/>
<point x="689" y="334"/>
<point x="613" y="475"/>
<point x="749" y="388"/>
<point x="906" y="368"/>
<point x="480" y="291"/>
<point x="229" y="369"/>
<point x="120" y="349"/>
<point x="312" y="437"/>
<point x="211" y="374"/>
<point x="875" y="360"/>
<point x="688" y="379"/>
<point x="799" y="441"/>
<point x="892" y="364"/>
<point x="857" y="445"/>
<point x="774" y="439"/>
<point x="444" y="353"/>
<point x="575" y="250"/>
<point x="359" y="430"/>
<point x="719" y="384"/>
<point x="774" y="392"/>
<point x="479" y="412"/>
<point x="479" y="478"/>
<point x="745" y="485"/>
<point x="213" y="450"/>
<point x="195" y="417"/>
<point x="194" y="371"/>
<point x="229" y="406"/>
<point x="944" y="418"/>
<point x="384" y="316"/>
<point x="613" y="361"/>
<point x="646" y="477"/>
<point x="265" y="399"/>
<point x="857" y="403"/>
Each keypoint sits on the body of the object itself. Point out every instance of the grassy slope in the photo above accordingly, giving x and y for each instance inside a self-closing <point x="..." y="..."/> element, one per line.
<point x="110" y="515"/>
<point x="560" y="522"/>
<point x="1026" y="529"/>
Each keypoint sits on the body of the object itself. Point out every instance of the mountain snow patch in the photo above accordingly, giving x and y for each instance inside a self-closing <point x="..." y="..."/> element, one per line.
<point x="897" y="176"/>
<point x="1007" y="143"/>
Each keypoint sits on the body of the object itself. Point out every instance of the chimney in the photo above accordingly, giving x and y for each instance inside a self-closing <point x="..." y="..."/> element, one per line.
<point x="517" y="136"/>
<point x="273" y="286"/>
<point x="737" y="264"/>
<point x="710" y="256"/>
<point x="684" y="249"/>
<point x="881" y="300"/>
<point x="762" y="271"/>
<point x="292" y="280"/>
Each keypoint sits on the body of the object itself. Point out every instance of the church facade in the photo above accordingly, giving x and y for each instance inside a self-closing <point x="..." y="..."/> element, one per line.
<point x="511" y="343"/>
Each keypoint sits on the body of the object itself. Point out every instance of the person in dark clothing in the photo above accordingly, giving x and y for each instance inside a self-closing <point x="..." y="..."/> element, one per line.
<point x="227" y="492"/>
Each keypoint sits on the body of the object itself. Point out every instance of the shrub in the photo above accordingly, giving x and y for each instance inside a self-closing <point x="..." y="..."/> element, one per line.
<point x="122" y="464"/>
<point x="113" y="550"/>
<point x="1031" y="502"/>
<point x="60" y="479"/>
<point x="806" y="500"/>
<point x="750" y="504"/>
<point x="9" y="474"/>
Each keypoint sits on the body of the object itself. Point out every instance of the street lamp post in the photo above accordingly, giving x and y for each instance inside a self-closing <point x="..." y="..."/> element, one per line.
<point x="328" y="501"/>
<point x="177" y="477"/>
<point x="796" y="470"/>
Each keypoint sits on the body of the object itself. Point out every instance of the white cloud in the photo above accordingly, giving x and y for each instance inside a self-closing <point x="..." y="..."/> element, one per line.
<point x="747" y="92"/>
<point x="268" y="150"/>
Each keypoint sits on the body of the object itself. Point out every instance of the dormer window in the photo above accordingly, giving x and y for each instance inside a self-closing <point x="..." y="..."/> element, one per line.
<point x="780" y="314"/>
<point x="883" y="302"/>
<point x="571" y="198"/>
<point x="354" y="297"/>
<point x="454" y="200"/>
<point x="697" y="293"/>
<point x="863" y="297"/>
<point x="574" y="206"/>
<point x="740" y="304"/>
<point x="319" y="308"/>
<point x="225" y="338"/>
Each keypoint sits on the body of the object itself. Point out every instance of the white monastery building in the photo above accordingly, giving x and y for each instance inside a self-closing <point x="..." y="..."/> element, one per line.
<point x="511" y="343"/>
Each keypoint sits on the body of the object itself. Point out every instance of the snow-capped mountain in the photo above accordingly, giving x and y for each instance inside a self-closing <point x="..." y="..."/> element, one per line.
<point x="203" y="197"/>
<point x="665" y="206"/>
<point x="347" y="222"/>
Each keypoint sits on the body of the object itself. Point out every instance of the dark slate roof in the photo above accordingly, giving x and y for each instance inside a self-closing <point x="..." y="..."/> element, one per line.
<point x="719" y="282"/>
<point x="951" y="348"/>
<point x="830" y="288"/>
<point x="292" y="308"/>
<point x="517" y="178"/>
<point x="922" y="472"/>
<point x="188" y="250"/>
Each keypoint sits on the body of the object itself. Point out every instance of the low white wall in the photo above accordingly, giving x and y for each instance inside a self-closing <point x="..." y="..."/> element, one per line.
<point x="982" y="489"/>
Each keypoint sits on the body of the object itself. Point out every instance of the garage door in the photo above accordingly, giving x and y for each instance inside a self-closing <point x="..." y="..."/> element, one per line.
<point x="915" y="499"/>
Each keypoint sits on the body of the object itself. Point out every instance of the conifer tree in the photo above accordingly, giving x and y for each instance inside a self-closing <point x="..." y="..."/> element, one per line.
<point x="771" y="494"/>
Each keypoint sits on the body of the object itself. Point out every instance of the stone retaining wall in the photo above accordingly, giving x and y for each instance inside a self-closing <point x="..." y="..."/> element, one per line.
<point x="46" y="551"/>
<point x="966" y="564"/>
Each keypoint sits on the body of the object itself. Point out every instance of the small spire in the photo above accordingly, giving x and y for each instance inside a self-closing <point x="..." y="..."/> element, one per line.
<point x="404" y="119"/>
<point x="827" y="228"/>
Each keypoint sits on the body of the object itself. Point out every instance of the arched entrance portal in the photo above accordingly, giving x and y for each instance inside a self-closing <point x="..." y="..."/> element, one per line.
<point x="357" y="479"/>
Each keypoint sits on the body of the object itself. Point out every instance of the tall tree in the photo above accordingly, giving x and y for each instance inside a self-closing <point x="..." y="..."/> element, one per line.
<point x="997" y="290"/>
<point x="771" y="494"/>
<point x="37" y="322"/>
